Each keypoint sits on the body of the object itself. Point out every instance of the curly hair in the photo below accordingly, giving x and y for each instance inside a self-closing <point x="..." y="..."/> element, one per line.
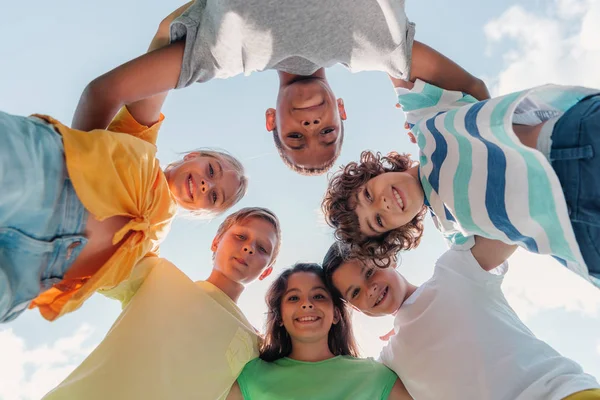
<point x="339" y="207"/>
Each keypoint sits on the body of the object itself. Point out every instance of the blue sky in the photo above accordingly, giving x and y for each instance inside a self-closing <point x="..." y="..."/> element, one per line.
<point x="52" y="49"/>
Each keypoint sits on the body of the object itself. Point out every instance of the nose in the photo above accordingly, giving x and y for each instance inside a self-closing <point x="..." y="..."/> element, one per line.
<point x="249" y="250"/>
<point x="385" y="204"/>
<point x="205" y="185"/>
<point x="373" y="290"/>
<point x="308" y="122"/>
<point x="307" y="306"/>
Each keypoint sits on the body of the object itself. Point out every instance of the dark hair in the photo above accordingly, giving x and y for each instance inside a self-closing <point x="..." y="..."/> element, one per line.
<point x="277" y="343"/>
<point x="339" y="208"/>
<point x="337" y="254"/>
<point x="307" y="171"/>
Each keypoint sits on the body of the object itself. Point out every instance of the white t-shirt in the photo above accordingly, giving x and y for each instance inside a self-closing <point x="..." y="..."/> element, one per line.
<point x="457" y="338"/>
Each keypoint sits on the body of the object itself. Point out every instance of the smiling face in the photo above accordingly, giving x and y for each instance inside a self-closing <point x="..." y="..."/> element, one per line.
<point x="245" y="249"/>
<point x="388" y="201"/>
<point x="203" y="182"/>
<point x="308" y="122"/>
<point x="374" y="291"/>
<point x="307" y="310"/>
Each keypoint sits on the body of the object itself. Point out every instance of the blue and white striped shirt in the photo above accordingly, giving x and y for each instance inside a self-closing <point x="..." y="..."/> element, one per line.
<point x="479" y="179"/>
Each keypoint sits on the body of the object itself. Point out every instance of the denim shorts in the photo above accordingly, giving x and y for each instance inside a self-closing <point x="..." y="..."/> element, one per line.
<point x="575" y="156"/>
<point x="42" y="221"/>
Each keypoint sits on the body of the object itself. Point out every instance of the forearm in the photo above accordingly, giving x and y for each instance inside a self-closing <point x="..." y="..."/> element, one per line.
<point x="433" y="67"/>
<point x="491" y="253"/>
<point x="151" y="74"/>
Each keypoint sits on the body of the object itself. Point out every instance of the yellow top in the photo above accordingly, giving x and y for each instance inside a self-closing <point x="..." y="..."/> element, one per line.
<point x="113" y="173"/>
<point x="175" y="339"/>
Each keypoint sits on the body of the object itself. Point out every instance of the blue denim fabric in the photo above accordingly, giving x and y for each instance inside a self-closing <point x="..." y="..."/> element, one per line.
<point x="575" y="156"/>
<point x="42" y="220"/>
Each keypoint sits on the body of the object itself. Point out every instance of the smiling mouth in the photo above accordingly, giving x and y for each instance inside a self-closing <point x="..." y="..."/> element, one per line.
<point x="308" y="320"/>
<point x="241" y="261"/>
<point x="398" y="198"/>
<point x="190" y="187"/>
<point x="382" y="296"/>
<point x="309" y="108"/>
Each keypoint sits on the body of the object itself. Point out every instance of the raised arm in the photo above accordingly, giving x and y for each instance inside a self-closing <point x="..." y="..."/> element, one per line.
<point x="399" y="392"/>
<point x="147" y="111"/>
<point x="146" y="76"/>
<point x="433" y="67"/>
<point x="491" y="253"/>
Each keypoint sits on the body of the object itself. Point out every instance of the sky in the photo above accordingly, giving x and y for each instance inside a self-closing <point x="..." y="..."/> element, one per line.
<point x="51" y="50"/>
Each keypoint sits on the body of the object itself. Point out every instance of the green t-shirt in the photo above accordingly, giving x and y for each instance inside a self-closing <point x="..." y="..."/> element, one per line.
<point x="339" y="378"/>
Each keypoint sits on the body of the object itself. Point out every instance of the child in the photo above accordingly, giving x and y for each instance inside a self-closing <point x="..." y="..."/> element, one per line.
<point x="221" y="39"/>
<point x="477" y="177"/>
<point x="456" y="335"/>
<point x="79" y="209"/>
<point x="178" y="339"/>
<point x="308" y="351"/>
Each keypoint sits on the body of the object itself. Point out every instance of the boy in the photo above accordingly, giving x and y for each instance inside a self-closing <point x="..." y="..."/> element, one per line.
<point x="178" y="339"/>
<point x="220" y="39"/>
<point x="456" y="336"/>
<point x="478" y="177"/>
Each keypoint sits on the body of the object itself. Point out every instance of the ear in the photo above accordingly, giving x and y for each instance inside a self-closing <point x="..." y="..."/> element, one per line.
<point x="336" y="316"/>
<point x="215" y="244"/>
<point x="265" y="273"/>
<point x="189" y="156"/>
<point x="341" y="109"/>
<point x="270" y="119"/>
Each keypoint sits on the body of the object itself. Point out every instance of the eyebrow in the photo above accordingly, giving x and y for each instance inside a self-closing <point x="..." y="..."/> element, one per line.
<point x="352" y="287"/>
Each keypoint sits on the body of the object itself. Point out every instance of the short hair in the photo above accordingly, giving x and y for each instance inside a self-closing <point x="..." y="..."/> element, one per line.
<point x="252" y="212"/>
<point x="337" y="254"/>
<point x="237" y="167"/>
<point x="339" y="208"/>
<point x="306" y="171"/>
<point x="277" y="343"/>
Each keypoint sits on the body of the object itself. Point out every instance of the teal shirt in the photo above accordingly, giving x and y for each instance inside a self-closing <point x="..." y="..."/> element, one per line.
<point x="341" y="377"/>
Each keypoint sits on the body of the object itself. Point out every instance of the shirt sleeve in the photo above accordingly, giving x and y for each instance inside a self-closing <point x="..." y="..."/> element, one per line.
<point x="383" y="377"/>
<point x="464" y="265"/>
<point x="124" y="122"/>
<point x="126" y="289"/>
<point x="245" y="377"/>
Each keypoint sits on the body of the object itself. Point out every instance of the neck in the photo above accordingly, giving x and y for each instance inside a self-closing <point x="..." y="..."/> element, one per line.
<point x="286" y="79"/>
<point x="310" y="352"/>
<point x="230" y="288"/>
<point x="414" y="171"/>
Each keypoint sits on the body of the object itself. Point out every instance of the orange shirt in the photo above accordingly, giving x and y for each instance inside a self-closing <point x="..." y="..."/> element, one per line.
<point x="114" y="172"/>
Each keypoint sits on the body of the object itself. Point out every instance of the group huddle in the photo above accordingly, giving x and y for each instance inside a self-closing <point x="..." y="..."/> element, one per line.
<point x="85" y="207"/>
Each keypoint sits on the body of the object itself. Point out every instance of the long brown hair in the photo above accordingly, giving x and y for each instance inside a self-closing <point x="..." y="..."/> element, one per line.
<point x="277" y="343"/>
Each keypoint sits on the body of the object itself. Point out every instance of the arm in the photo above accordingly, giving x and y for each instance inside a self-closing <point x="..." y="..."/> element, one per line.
<point x="235" y="393"/>
<point x="433" y="67"/>
<point x="399" y="392"/>
<point x="491" y="253"/>
<point x="147" y="111"/>
<point x="151" y="74"/>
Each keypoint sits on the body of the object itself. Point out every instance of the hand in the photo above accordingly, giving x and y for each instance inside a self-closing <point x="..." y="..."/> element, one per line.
<point x="387" y="336"/>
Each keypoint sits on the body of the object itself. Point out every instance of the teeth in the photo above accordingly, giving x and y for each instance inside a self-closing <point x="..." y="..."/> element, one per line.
<point x="398" y="198"/>
<point x="190" y="186"/>
<point x="381" y="296"/>
<point x="307" y="319"/>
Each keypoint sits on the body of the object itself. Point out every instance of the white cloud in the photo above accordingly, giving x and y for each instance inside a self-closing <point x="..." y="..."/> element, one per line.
<point x="537" y="283"/>
<point x="559" y="45"/>
<point x="29" y="373"/>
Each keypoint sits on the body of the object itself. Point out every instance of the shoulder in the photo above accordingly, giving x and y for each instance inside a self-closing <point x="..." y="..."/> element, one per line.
<point x="462" y="264"/>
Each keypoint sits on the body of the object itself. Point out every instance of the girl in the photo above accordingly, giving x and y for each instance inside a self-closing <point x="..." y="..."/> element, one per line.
<point x="456" y="336"/>
<point x="478" y="177"/>
<point x="308" y="351"/>
<point x="79" y="209"/>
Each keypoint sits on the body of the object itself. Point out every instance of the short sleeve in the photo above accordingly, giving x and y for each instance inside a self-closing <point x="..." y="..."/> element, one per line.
<point x="382" y="377"/>
<point x="463" y="264"/>
<point x="245" y="378"/>
<point x="124" y="122"/>
<point x="125" y="290"/>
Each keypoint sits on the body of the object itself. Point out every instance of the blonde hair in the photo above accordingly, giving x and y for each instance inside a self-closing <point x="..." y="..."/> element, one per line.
<point x="237" y="167"/>
<point x="252" y="212"/>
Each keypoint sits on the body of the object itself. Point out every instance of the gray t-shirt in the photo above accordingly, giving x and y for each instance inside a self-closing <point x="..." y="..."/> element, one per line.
<point x="227" y="37"/>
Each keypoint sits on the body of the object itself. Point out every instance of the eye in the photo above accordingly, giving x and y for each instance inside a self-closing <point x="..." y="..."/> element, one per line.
<point x="211" y="171"/>
<point x="327" y="130"/>
<point x="368" y="195"/>
<point x="293" y="298"/>
<point x="319" y="297"/>
<point x="369" y="273"/>
<point x="262" y="250"/>
<point x="214" y="197"/>
<point x="241" y="237"/>
<point x="379" y="221"/>
<point x="355" y="293"/>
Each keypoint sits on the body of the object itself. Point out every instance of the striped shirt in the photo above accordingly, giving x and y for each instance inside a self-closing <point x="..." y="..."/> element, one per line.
<point x="479" y="179"/>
